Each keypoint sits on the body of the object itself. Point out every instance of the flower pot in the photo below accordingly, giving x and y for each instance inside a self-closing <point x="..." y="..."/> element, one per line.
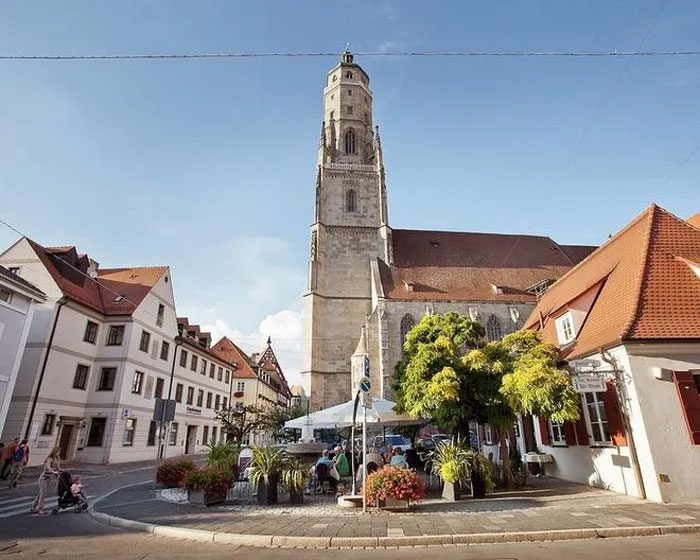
<point x="478" y="485"/>
<point x="206" y="498"/>
<point x="267" y="491"/>
<point x="392" y="503"/>
<point x="451" y="491"/>
<point x="296" y="497"/>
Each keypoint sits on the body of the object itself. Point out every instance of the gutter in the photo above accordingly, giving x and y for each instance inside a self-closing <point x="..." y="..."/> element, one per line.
<point x="163" y="439"/>
<point x="61" y="303"/>
<point x="621" y="395"/>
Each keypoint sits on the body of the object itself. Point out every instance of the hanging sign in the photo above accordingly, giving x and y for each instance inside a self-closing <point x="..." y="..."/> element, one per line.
<point x="589" y="383"/>
<point x="365" y="385"/>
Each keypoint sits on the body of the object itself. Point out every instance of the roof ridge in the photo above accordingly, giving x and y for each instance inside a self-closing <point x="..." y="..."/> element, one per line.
<point x="452" y="232"/>
<point x="649" y="234"/>
<point x="605" y="244"/>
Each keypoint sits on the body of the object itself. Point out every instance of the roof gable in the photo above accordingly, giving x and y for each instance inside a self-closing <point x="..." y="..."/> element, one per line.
<point x="232" y="354"/>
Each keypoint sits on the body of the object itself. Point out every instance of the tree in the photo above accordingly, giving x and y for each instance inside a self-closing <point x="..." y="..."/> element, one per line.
<point x="241" y="420"/>
<point x="275" y="419"/>
<point x="448" y="373"/>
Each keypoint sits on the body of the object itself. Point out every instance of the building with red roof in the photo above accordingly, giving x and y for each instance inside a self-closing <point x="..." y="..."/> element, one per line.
<point x="627" y="321"/>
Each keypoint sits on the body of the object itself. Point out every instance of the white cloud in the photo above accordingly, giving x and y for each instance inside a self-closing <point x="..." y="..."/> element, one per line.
<point x="285" y="329"/>
<point x="387" y="46"/>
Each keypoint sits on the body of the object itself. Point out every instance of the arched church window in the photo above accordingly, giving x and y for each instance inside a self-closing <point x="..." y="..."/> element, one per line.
<point x="350" y="142"/>
<point x="493" y="329"/>
<point x="351" y="201"/>
<point x="348" y="75"/>
<point x="335" y="77"/>
<point x="407" y="323"/>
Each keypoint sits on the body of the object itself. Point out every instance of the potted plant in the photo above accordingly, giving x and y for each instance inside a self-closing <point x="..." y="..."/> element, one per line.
<point x="208" y="486"/>
<point x="267" y="465"/>
<point x="393" y="483"/>
<point x="294" y="477"/>
<point x="450" y="462"/>
<point x="480" y="474"/>
<point x="223" y="456"/>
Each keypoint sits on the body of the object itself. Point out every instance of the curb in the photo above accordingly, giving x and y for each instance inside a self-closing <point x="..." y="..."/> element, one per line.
<point x="238" y="539"/>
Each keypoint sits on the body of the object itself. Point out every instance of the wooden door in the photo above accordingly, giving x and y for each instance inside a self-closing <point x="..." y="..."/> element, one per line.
<point x="64" y="441"/>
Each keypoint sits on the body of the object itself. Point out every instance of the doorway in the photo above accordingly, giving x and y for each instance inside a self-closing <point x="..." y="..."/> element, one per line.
<point x="64" y="441"/>
<point x="191" y="441"/>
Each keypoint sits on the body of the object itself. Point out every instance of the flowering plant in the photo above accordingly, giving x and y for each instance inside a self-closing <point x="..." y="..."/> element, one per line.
<point x="394" y="482"/>
<point x="171" y="474"/>
<point x="210" y="480"/>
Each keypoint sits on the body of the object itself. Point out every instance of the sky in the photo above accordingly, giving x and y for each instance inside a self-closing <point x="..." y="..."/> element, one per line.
<point x="208" y="165"/>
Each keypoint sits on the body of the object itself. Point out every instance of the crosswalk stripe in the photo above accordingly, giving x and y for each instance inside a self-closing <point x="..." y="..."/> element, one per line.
<point x="23" y="507"/>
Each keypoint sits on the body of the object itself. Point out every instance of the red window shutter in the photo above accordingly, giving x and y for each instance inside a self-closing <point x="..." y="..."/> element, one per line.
<point x="581" y="428"/>
<point x="614" y="416"/>
<point x="570" y="433"/>
<point x="544" y="431"/>
<point x="690" y="401"/>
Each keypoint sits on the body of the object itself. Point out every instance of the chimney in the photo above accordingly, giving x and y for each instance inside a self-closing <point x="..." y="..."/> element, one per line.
<point x="93" y="267"/>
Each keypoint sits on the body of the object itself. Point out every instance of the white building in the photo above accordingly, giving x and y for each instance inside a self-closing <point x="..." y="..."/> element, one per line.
<point x="630" y="313"/>
<point x="17" y="300"/>
<point x="99" y="349"/>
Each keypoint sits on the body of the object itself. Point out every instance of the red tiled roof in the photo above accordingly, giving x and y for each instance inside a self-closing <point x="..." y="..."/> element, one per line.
<point x="438" y="265"/>
<point x="645" y="289"/>
<point x="268" y="360"/>
<point x="227" y="351"/>
<point x="694" y="220"/>
<point x="131" y="283"/>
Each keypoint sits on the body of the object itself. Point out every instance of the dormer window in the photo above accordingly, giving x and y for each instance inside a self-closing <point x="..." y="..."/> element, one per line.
<point x="565" y="328"/>
<point x="118" y="299"/>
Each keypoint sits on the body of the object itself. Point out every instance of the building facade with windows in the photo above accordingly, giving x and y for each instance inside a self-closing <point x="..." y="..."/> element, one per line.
<point x="100" y="348"/>
<point x="364" y="273"/>
<point x="17" y="301"/>
<point x="627" y="320"/>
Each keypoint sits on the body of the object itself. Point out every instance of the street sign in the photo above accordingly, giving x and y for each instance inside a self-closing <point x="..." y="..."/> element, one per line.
<point x="366" y="366"/>
<point x="164" y="410"/>
<point x="589" y="383"/>
<point x="365" y="385"/>
<point x="367" y="400"/>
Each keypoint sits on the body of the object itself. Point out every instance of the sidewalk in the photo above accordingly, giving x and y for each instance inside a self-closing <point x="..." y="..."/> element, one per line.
<point x="550" y="510"/>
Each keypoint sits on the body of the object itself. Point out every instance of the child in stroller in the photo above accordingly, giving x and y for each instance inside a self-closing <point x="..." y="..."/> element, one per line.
<point x="66" y="497"/>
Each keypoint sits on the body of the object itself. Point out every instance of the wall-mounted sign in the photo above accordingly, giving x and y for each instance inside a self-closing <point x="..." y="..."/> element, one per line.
<point x="191" y="410"/>
<point x="589" y="383"/>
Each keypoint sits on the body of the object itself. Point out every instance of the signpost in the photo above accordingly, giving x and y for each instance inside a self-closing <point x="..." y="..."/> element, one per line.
<point x="365" y="386"/>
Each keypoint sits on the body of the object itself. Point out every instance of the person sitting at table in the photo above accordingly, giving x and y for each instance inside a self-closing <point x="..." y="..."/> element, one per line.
<point x="398" y="459"/>
<point x="340" y="461"/>
<point x="325" y="459"/>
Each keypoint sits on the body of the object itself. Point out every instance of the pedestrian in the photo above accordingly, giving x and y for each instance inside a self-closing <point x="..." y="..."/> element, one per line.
<point x="8" y="454"/>
<point x="52" y="467"/>
<point x="20" y="458"/>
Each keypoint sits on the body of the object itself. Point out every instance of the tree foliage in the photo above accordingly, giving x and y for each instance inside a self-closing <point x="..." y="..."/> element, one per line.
<point x="449" y="374"/>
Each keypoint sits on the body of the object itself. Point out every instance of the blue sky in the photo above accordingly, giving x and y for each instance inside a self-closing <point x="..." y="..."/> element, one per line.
<point x="208" y="165"/>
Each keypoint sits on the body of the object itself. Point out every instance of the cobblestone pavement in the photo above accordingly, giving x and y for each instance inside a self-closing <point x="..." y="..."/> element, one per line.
<point x="548" y="505"/>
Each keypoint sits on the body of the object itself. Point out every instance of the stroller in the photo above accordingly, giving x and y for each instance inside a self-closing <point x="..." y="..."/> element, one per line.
<point x="66" y="499"/>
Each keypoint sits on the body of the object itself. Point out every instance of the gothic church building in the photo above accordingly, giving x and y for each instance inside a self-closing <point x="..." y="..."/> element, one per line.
<point x="365" y="274"/>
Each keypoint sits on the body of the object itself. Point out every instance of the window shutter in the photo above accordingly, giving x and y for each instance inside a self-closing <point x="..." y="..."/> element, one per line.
<point x="580" y="426"/>
<point x="689" y="396"/>
<point x="614" y="416"/>
<point x="544" y="431"/>
<point x="570" y="433"/>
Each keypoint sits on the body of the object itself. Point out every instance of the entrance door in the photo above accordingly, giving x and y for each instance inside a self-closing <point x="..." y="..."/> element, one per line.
<point x="65" y="440"/>
<point x="191" y="441"/>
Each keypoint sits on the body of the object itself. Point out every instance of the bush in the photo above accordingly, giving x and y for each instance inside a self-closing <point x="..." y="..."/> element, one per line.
<point x="223" y="456"/>
<point x="450" y="461"/>
<point x="171" y="474"/>
<point x="401" y="484"/>
<point x="210" y="480"/>
<point x="268" y="463"/>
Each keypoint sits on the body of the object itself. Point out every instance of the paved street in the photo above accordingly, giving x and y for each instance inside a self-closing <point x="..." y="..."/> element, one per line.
<point x="119" y="545"/>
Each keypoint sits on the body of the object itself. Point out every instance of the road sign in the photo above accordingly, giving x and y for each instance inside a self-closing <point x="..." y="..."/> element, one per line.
<point x="365" y="385"/>
<point x="367" y="400"/>
<point x="588" y="383"/>
<point x="164" y="410"/>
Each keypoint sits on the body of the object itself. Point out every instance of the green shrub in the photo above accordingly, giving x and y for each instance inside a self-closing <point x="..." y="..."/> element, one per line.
<point x="223" y="456"/>
<point x="210" y="480"/>
<point x="171" y="474"/>
<point x="294" y="476"/>
<point x="267" y="462"/>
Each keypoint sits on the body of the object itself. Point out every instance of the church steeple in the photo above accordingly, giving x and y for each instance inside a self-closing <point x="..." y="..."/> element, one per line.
<point x="347" y="109"/>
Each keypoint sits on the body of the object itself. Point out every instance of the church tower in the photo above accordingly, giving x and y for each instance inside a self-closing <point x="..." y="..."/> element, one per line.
<point x="350" y="231"/>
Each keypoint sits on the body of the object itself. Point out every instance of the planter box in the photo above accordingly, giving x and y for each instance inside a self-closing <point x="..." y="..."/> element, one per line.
<point x="478" y="486"/>
<point x="206" y="498"/>
<point x="296" y="497"/>
<point x="451" y="492"/>
<point x="393" y="504"/>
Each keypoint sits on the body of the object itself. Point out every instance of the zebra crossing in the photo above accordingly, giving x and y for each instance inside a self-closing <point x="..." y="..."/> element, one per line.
<point x="22" y="504"/>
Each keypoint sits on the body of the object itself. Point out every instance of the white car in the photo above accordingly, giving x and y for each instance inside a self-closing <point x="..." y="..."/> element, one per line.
<point x="395" y="440"/>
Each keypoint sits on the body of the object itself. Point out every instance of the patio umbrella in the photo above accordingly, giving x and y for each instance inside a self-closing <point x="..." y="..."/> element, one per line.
<point x="340" y="415"/>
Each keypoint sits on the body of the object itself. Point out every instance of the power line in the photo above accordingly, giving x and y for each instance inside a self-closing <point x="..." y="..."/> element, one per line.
<point x="395" y="54"/>
<point x="680" y="166"/>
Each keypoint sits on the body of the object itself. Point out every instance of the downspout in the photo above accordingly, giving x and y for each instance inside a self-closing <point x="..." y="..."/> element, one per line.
<point x="621" y="394"/>
<point x="163" y="439"/>
<point x="61" y="303"/>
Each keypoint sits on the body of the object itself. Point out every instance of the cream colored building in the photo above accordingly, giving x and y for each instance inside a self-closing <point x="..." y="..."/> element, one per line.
<point x="98" y="350"/>
<point x="363" y="272"/>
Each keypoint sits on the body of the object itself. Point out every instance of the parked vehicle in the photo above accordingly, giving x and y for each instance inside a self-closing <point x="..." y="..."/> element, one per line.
<point x="428" y="443"/>
<point x="395" y="440"/>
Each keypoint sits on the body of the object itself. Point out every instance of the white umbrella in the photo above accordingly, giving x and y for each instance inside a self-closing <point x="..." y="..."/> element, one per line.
<point x="340" y="415"/>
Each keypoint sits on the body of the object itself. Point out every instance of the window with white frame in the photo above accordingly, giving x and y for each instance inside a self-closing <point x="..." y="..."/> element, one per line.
<point x="173" y="433"/>
<point x="597" y="419"/>
<point x="240" y="387"/>
<point x="556" y="433"/>
<point x="129" y="429"/>
<point x="488" y="434"/>
<point x="565" y="328"/>
<point x="5" y="295"/>
<point x="137" y="385"/>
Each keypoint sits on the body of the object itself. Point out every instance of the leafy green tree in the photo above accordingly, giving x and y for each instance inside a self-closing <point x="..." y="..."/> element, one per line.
<point x="241" y="420"/>
<point x="276" y="417"/>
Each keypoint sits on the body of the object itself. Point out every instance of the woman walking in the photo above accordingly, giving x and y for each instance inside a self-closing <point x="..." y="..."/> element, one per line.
<point x="52" y="467"/>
